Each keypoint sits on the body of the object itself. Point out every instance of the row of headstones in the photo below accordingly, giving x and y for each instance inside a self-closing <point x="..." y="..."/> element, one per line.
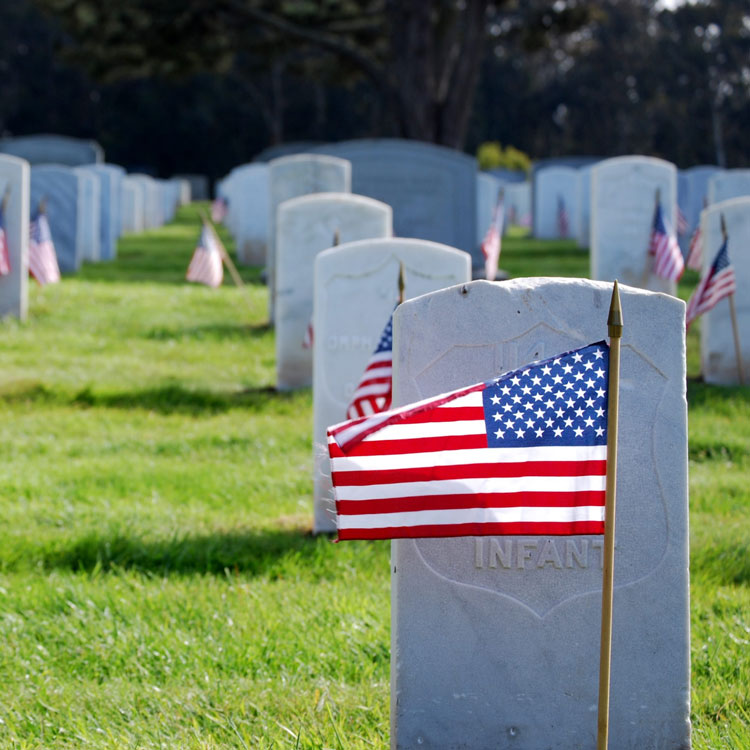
<point x="575" y="188"/>
<point x="437" y="193"/>
<point x="88" y="208"/>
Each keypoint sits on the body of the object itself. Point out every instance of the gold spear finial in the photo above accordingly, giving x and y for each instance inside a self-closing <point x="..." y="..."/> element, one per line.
<point x="6" y="198"/>
<point x="724" y="234"/>
<point x="336" y="238"/>
<point x="401" y="284"/>
<point x="614" y="320"/>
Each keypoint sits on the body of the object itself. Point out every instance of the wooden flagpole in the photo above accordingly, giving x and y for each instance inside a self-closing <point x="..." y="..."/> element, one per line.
<point x="733" y="313"/>
<point x="614" y="323"/>
<point x="401" y="283"/>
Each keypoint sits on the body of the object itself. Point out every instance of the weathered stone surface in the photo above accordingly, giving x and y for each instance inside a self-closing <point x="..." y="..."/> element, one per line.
<point x="718" y="357"/>
<point x="554" y="184"/>
<point x="15" y="178"/>
<point x="432" y="188"/>
<point x="623" y="192"/>
<point x="53" y="149"/>
<point x="62" y="190"/>
<point x="356" y="289"/>
<point x="495" y="640"/>
<point x="306" y="227"/>
<point x="293" y="176"/>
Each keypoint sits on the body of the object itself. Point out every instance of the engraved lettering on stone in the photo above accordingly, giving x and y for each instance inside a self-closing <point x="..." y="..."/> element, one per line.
<point x="574" y="552"/>
<point x="502" y="551"/>
<point x="523" y="552"/>
<point x="548" y="555"/>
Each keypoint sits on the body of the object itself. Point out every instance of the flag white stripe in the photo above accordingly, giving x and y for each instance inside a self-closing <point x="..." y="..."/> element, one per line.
<point x="542" y="515"/>
<point x="470" y="486"/>
<point x="426" y="430"/>
<point x="464" y="456"/>
<point x="374" y="389"/>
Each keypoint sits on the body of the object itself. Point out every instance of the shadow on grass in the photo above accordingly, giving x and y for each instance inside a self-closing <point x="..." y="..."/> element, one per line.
<point x="270" y="552"/>
<point x="166" y="399"/>
<point x="219" y="331"/>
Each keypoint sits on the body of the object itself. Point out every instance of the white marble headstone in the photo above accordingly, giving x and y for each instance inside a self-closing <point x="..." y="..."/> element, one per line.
<point x="518" y="203"/>
<point x="293" y="176"/>
<point x="623" y="194"/>
<point x="50" y="148"/>
<point x="110" y="176"/>
<point x="718" y="357"/>
<point x="62" y="191"/>
<point x="14" y="175"/>
<point x="89" y="215"/>
<point x="246" y="190"/>
<point x="132" y="206"/>
<point x="356" y="289"/>
<point x="555" y="184"/>
<point x="306" y="227"/>
<point x="584" y="206"/>
<point x="731" y="183"/>
<point x="488" y="188"/>
<point x="153" y="207"/>
<point x="495" y="640"/>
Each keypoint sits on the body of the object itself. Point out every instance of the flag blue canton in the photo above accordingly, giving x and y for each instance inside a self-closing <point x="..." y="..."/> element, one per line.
<point x="386" y="338"/>
<point x="722" y="259"/>
<point x="560" y="401"/>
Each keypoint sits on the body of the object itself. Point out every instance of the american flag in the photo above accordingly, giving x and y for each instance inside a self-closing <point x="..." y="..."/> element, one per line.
<point x="523" y="454"/>
<point x="719" y="282"/>
<point x="219" y="209"/>
<point x="4" y="254"/>
<point x="682" y="222"/>
<point x="206" y="265"/>
<point x="563" y="221"/>
<point x="668" y="262"/>
<point x="491" y="242"/>
<point x="695" y="252"/>
<point x="42" y="257"/>
<point x="309" y="338"/>
<point x="374" y="391"/>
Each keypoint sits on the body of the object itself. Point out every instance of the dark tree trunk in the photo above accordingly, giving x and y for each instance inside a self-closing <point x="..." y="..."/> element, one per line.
<point x="435" y="59"/>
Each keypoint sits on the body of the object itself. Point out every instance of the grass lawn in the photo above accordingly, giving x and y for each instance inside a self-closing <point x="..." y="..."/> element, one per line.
<point x="158" y="587"/>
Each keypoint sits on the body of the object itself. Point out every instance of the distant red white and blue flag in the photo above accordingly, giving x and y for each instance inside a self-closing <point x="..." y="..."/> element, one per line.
<point x="206" y="266"/>
<point x="719" y="282"/>
<point x="525" y="453"/>
<point x="668" y="261"/>
<point x="492" y="240"/>
<point x="42" y="256"/>
<point x="682" y="222"/>
<point x="374" y="390"/>
<point x="4" y="253"/>
<point x="695" y="252"/>
<point x="219" y="209"/>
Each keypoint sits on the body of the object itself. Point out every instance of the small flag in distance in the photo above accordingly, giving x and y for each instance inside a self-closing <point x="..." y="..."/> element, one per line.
<point x="42" y="257"/>
<point x="668" y="261"/>
<point x="374" y="390"/>
<point x="4" y="253"/>
<point x="719" y="282"/>
<point x="206" y="265"/>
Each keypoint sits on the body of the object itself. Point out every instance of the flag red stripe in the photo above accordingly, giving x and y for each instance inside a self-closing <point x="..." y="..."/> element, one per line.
<point x="362" y="478"/>
<point x="475" y="529"/>
<point x="477" y="500"/>
<point x="413" y="445"/>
